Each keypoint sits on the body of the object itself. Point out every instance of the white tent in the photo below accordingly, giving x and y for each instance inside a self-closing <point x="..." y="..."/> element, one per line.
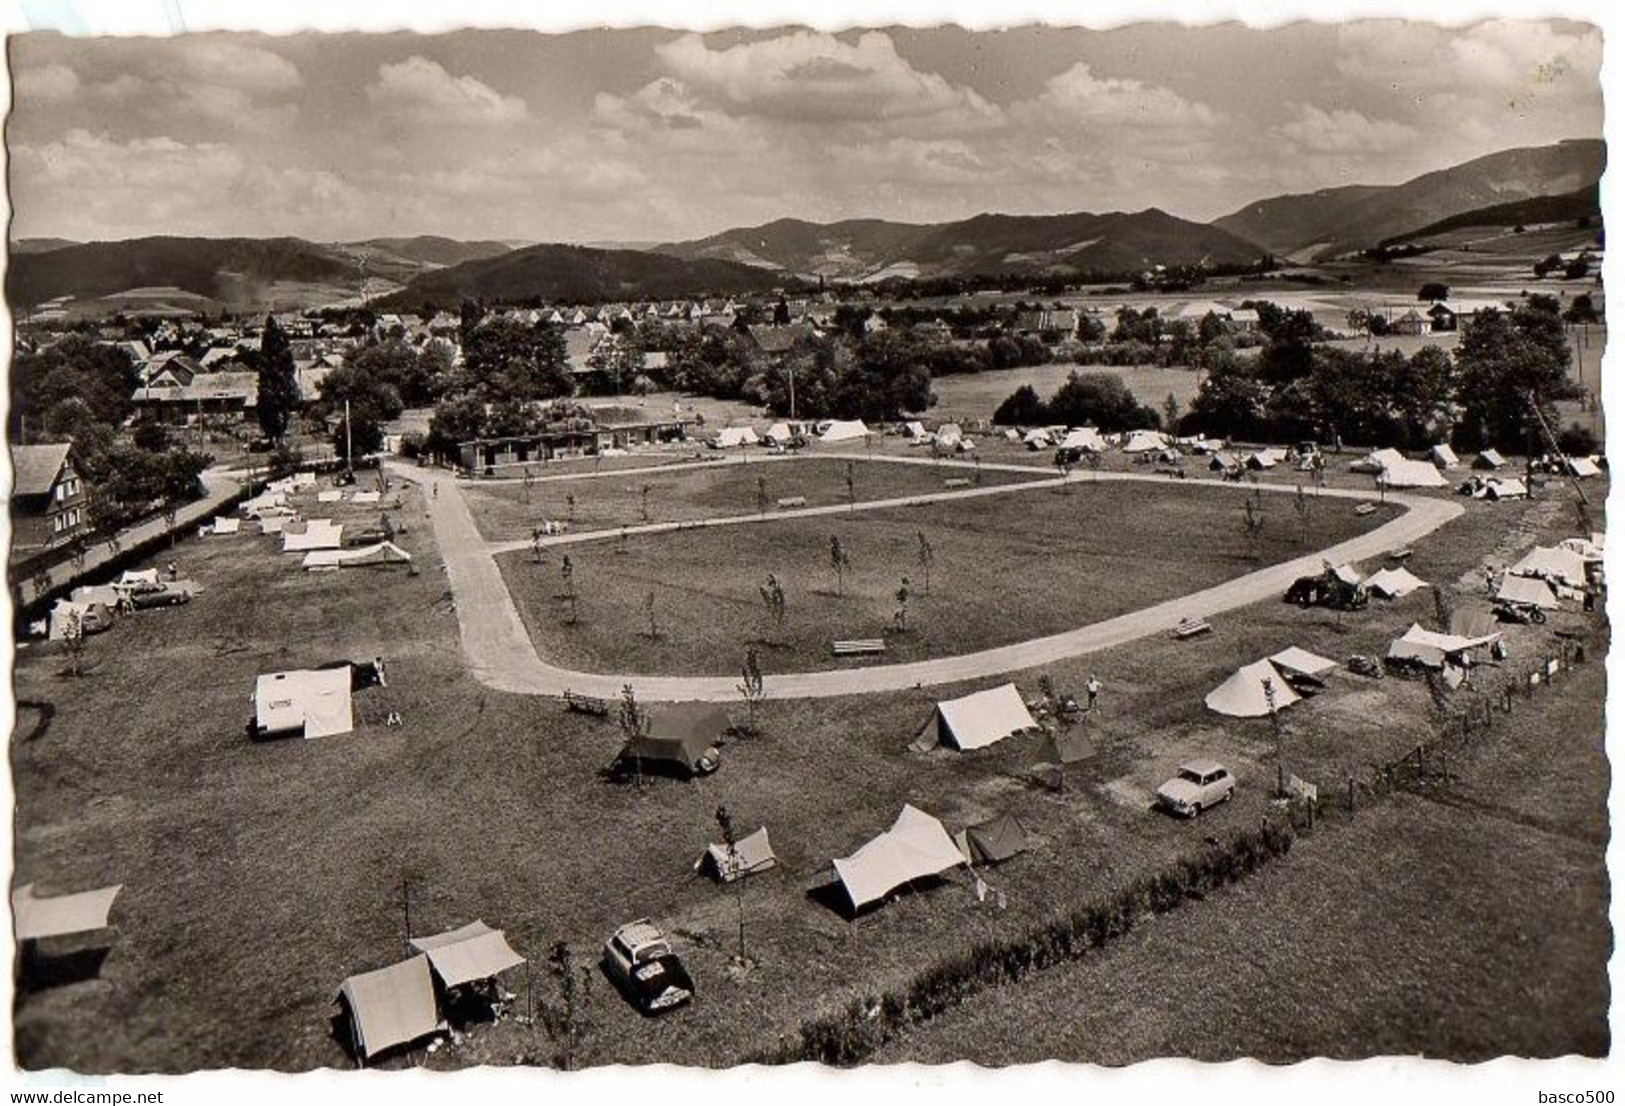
<point x="146" y="578"/>
<point x="1489" y="459"/>
<point x="315" y="702"/>
<point x="391" y="1006"/>
<point x="1433" y="649"/>
<point x="1145" y="441"/>
<point x="730" y="437"/>
<point x="1036" y="439"/>
<point x="1511" y="488"/>
<point x="226" y="526"/>
<point x="266" y="503"/>
<point x="1563" y="566"/>
<point x="916" y="846"/>
<point x="751" y="854"/>
<point x="844" y="431"/>
<point x="92" y="616"/>
<point x="780" y="433"/>
<point x="329" y="495"/>
<point x="62" y="915"/>
<point x="949" y="435"/>
<point x="1583" y="466"/>
<point x="1411" y="474"/>
<point x="915" y="431"/>
<point x="318" y="533"/>
<point x="1295" y="661"/>
<point x="1589" y="549"/>
<point x="1377" y="460"/>
<point x="383" y="553"/>
<point x="980" y="719"/>
<point x="274" y="524"/>
<point x="365" y="497"/>
<point x="1393" y="583"/>
<point x="1266" y="458"/>
<point x="475" y="951"/>
<point x="1086" y="437"/>
<point x="1247" y="694"/>
<point x="1444" y="457"/>
<point x="1526" y="589"/>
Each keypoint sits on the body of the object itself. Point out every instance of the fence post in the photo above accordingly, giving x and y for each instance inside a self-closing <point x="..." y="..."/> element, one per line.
<point x="1419" y="764"/>
<point x="1351" y="794"/>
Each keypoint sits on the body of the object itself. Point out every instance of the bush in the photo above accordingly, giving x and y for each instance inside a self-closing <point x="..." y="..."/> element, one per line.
<point x="1577" y="441"/>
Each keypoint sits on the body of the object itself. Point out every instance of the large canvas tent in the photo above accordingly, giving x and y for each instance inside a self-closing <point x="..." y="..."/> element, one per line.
<point x="312" y="702"/>
<point x="383" y="553"/>
<point x="471" y="952"/>
<point x="993" y="841"/>
<point x="1145" y="441"/>
<point x="1393" y="583"/>
<point x="731" y="437"/>
<point x="1377" y="460"/>
<point x="980" y="719"/>
<point x="1526" y="589"/>
<point x="1433" y="649"/>
<point x="1411" y="474"/>
<point x="751" y="854"/>
<point x="391" y="1006"/>
<point x="1561" y="566"/>
<point x="1248" y="693"/>
<point x="92" y="616"/>
<point x="916" y="846"/>
<point x="317" y="533"/>
<point x="226" y="526"/>
<point x="844" y="431"/>
<point x="62" y="915"/>
<point x="678" y="734"/>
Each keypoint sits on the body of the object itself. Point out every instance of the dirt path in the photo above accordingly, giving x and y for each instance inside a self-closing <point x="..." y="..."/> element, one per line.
<point x="502" y="657"/>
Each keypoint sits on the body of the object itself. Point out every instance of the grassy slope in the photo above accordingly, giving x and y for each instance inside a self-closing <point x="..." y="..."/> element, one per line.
<point x="1006" y="568"/>
<point x="257" y="877"/>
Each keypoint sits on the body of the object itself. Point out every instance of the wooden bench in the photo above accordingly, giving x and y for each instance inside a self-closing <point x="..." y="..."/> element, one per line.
<point x="1191" y="627"/>
<point x="793" y="501"/>
<point x="1365" y="509"/>
<point x="956" y="482"/>
<point x="858" y="647"/>
<point x="586" y="704"/>
<point x="1402" y="554"/>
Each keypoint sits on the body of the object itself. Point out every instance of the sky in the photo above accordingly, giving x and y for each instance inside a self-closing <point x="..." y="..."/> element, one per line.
<point x="657" y="135"/>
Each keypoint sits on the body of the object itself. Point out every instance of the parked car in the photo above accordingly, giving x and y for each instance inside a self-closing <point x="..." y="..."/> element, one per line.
<point x="161" y="596"/>
<point x="1326" y="590"/>
<point x="1197" y="785"/>
<point x="639" y="961"/>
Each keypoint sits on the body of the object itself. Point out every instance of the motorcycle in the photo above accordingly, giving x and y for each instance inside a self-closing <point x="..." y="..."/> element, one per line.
<point x="1522" y="614"/>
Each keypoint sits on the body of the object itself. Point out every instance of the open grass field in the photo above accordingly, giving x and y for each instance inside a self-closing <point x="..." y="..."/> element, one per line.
<point x="1005" y="568"/>
<point x="509" y="511"/>
<point x="258" y="876"/>
<point x="978" y="395"/>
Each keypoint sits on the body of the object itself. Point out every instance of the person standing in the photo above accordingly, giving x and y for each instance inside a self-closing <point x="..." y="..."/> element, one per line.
<point x="1092" y="688"/>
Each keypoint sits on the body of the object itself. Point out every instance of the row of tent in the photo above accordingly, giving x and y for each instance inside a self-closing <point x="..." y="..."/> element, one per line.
<point x="93" y="607"/>
<point x="782" y="433"/>
<point x="320" y="539"/>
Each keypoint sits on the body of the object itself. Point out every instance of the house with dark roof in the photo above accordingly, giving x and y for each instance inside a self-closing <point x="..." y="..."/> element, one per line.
<point x="230" y="395"/>
<point x="48" y="501"/>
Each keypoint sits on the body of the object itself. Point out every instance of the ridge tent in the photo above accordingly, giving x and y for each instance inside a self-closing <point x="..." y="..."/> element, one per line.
<point x="1207" y="445"/>
<point x="1145" y="441"/>
<point x="365" y="497"/>
<point x="312" y="702"/>
<point x="318" y="533"/>
<point x="275" y="524"/>
<point x="678" y="734"/>
<point x="1083" y="438"/>
<point x="1036" y="439"/>
<point x="980" y="719"/>
<point x="1224" y="461"/>
<point x="1489" y="459"/>
<point x="1065" y="747"/>
<point x="1526" y="589"/>
<point x="914" y="431"/>
<point x="1411" y="474"/>
<point x="383" y="553"/>
<point x="329" y="495"/>
<point x="1503" y="489"/>
<point x="391" y="1006"/>
<point x="1581" y="467"/>
<point x="1246" y="694"/>
<point x="730" y="437"/>
<point x="1377" y="460"/>
<point x="949" y="435"/>
<point x="1444" y="457"/>
<point x="1348" y="574"/>
<point x="916" y="846"/>
<point x="226" y="526"/>
<point x="472" y="952"/>
<point x="1563" y="566"/>
<point x="1293" y="660"/>
<point x="61" y="915"/>
<point x="995" y="840"/>
<point x="780" y="433"/>
<point x="1393" y="583"/>
<point x="844" y="431"/>
<point x="751" y="854"/>
<point x="1266" y="459"/>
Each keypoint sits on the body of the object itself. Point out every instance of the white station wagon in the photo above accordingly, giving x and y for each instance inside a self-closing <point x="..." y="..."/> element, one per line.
<point x="1197" y="785"/>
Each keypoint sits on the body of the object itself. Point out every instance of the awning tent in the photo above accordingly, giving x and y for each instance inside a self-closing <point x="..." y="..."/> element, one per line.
<point x="1563" y="566"/>
<point x="1444" y="457"/>
<point x="998" y="839"/>
<point x="472" y="952"/>
<point x="980" y="719"/>
<point x="383" y="553"/>
<point x="1489" y="459"/>
<point x="751" y="854"/>
<point x="1295" y="661"/>
<point x="1472" y="622"/>
<point x="105" y="594"/>
<point x="62" y="915"/>
<point x="314" y="702"/>
<point x="1393" y="583"/>
<point x="1526" y="589"/>
<point x="1249" y="692"/>
<point x="916" y="846"/>
<point x="844" y="431"/>
<point x="1432" y="649"/>
<point x="318" y="533"/>
<point x="1411" y="474"/>
<point x="391" y="1006"/>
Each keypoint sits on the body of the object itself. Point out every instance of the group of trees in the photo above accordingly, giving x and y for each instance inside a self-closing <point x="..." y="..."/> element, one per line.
<point x="1100" y="400"/>
<point x="1296" y="389"/>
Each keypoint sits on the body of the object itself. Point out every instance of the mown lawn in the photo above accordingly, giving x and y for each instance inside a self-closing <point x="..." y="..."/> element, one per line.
<point x="1004" y="568"/>
<point x="510" y="511"/>
<point x="258" y="876"/>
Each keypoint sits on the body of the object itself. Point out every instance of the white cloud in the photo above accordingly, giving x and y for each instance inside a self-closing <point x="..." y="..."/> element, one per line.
<point x="1077" y="97"/>
<point x="1339" y="131"/>
<point x="424" y="91"/>
<point x="812" y="77"/>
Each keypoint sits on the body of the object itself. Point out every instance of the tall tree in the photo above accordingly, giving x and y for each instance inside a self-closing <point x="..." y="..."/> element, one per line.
<point x="278" y="387"/>
<point x="1510" y="364"/>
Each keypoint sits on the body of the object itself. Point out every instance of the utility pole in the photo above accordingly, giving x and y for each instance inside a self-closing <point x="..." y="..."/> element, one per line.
<point x="791" y="369"/>
<point x="349" y="460"/>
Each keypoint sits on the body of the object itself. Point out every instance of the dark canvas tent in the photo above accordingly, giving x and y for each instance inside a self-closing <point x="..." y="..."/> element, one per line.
<point x="1489" y="459"/>
<point x="1065" y="747"/>
<point x="679" y="734"/>
<point x="995" y="840"/>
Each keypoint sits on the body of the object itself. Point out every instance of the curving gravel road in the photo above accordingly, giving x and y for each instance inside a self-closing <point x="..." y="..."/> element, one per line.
<point x="502" y="656"/>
